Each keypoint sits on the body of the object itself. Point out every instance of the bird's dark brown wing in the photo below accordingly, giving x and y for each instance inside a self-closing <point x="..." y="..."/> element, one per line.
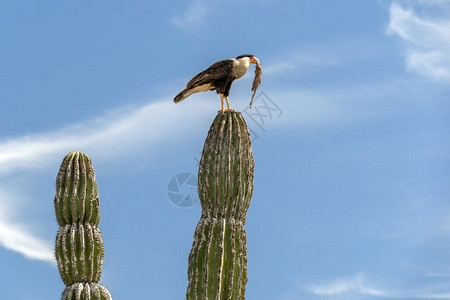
<point x="216" y="71"/>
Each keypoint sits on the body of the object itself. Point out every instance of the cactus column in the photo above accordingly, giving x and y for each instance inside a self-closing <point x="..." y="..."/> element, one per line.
<point x="79" y="245"/>
<point x="218" y="259"/>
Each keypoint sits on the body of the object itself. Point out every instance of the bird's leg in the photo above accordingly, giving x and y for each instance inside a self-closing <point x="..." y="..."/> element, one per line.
<point x="228" y="103"/>
<point x="221" y="100"/>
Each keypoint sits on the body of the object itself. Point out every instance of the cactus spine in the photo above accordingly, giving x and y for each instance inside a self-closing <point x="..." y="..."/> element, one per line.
<point x="79" y="245"/>
<point x="218" y="259"/>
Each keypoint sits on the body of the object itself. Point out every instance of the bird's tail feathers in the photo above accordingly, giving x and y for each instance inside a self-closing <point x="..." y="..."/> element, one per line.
<point x="183" y="95"/>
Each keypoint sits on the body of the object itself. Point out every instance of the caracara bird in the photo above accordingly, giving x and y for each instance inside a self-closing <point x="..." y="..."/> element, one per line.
<point x="219" y="77"/>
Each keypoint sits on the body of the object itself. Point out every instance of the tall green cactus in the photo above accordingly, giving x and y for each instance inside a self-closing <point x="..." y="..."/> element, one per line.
<point x="218" y="259"/>
<point x="79" y="245"/>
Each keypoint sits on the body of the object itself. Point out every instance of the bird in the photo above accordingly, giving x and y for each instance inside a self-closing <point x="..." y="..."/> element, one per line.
<point x="219" y="77"/>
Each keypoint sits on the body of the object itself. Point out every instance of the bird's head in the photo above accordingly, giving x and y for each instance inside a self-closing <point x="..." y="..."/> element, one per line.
<point x="252" y="58"/>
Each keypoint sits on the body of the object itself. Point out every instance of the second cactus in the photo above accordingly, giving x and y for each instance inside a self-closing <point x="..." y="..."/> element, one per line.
<point x="79" y="245"/>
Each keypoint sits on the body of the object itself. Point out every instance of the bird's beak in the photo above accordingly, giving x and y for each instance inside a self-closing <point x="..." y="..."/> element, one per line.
<point x="254" y="60"/>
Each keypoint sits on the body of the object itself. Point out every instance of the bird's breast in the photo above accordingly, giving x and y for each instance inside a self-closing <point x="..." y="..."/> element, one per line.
<point x="240" y="68"/>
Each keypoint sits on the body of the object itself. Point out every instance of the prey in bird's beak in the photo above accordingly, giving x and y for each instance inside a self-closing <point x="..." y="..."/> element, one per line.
<point x="258" y="75"/>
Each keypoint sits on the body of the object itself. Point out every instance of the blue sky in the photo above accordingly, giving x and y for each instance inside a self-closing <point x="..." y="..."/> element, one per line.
<point x="352" y="172"/>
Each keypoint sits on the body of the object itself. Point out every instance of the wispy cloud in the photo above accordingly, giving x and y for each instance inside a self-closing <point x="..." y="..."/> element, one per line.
<point x="427" y="39"/>
<point x="302" y="61"/>
<point x="435" y="296"/>
<point x="114" y="133"/>
<point x="434" y="2"/>
<point x="355" y="284"/>
<point x="17" y="237"/>
<point x="359" y="284"/>
<point x="194" y="15"/>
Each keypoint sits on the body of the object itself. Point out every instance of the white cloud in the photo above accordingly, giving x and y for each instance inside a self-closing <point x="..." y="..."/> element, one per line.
<point x="434" y="2"/>
<point x="194" y="15"/>
<point x="112" y="134"/>
<point x="427" y="39"/>
<point x="302" y="61"/>
<point x="360" y="285"/>
<point x="16" y="237"/>
<point x="355" y="284"/>
<point x="435" y="296"/>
